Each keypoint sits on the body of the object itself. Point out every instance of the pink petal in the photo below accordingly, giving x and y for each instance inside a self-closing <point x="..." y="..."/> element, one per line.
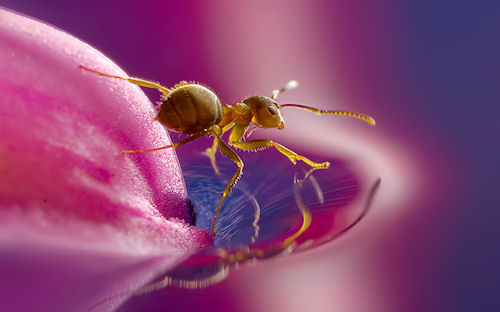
<point x="79" y="220"/>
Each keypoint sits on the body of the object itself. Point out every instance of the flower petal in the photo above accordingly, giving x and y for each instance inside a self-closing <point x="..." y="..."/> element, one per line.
<point x="71" y="205"/>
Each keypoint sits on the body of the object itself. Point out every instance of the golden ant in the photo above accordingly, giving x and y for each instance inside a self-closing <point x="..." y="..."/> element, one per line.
<point x="194" y="109"/>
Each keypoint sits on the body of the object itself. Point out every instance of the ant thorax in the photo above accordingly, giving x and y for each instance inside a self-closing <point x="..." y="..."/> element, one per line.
<point x="241" y="114"/>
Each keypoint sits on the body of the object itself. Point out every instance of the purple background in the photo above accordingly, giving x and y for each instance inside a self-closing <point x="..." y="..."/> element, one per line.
<point x="427" y="71"/>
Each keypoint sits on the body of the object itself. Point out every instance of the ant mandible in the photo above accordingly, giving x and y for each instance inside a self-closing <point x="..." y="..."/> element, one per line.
<point x="194" y="109"/>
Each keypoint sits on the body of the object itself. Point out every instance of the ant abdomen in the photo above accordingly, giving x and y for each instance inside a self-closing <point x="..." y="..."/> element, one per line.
<point x="190" y="108"/>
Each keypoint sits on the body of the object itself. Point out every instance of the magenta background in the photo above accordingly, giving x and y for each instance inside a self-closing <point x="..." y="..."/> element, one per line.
<point x="427" y="71"/>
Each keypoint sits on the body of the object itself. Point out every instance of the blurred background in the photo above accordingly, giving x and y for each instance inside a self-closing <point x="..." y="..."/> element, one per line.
<point x="427" y="71"/>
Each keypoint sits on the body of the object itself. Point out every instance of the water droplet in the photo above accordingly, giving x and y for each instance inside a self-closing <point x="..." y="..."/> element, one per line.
<point x="263" y="216"/>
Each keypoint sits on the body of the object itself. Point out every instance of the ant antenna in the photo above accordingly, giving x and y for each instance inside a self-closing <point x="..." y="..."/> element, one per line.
<point x="292" y="84"/>
<point x="365" y="118"/>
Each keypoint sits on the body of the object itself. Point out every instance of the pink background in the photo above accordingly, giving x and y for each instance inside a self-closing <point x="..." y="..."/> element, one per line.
<point x="426" y="71"/>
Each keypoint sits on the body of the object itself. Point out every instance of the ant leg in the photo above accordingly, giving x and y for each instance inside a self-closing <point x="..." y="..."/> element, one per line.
<point x="238" y="132"/>
<point x="187" y="140"/>
<point x="210" y="152"/>
<point x="167" y="281"/>
<point x="137" y="81"/>
<point x="231" y="154"/>
<point x="306" y="214"/>
<point x="258" y="144"/>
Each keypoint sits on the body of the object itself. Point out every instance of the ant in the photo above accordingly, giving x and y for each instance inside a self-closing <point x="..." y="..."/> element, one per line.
<point x="192" y="108"/>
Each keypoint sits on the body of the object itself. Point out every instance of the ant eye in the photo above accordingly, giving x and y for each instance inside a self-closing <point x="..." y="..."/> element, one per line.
<point x="272" y="110"/>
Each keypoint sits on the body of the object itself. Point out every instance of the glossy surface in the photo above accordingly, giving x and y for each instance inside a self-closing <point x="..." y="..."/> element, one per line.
<point x="263" y="215"/>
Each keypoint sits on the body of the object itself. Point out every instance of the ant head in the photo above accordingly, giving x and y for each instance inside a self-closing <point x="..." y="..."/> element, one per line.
<point x="265" y="112"/>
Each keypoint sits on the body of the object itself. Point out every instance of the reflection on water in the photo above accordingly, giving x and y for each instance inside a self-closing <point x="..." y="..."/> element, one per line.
<point x="265" y="213"/>
<point x="262" y="216"/>
<point x="268" y="185"/>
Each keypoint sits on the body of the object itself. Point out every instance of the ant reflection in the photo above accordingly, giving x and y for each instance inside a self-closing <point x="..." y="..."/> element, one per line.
<point x="308" y="197"/>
